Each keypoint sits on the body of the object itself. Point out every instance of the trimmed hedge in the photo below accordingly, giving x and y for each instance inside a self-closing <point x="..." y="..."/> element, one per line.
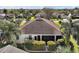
<point x="38" y="45"/>
<point x="51" y="45"/>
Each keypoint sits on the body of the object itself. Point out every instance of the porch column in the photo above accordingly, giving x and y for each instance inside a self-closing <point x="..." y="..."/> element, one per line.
<point x="40" y="37"/>
<point x="55" y="38"/>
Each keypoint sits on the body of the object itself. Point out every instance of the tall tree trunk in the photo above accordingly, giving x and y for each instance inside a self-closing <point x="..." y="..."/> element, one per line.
<point x="13" y="38"/>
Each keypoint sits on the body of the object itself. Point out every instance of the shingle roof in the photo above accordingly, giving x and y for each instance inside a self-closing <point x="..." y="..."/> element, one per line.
<point x="11" y="49"/>
<point x="41" y="26"/>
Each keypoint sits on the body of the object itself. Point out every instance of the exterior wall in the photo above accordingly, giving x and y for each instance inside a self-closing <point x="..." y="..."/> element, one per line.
<point x="26" y="36"/>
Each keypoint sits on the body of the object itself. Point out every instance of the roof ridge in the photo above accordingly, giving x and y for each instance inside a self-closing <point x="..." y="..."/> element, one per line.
<point x="51" y="23"/>
<point x="27" y="24"/>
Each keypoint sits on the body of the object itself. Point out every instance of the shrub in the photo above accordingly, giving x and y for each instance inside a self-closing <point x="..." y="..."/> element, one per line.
<point x="20" y="44"/>
<point x="61" y="49"/>
<point x="57" y="23"/>
<point x="2" y="45"/>
<point x="38" y="45"/>
<point x="60" y="40"/>
<point x="62" y="30"/>
<point x="28" y="44"/>
<point x="32" y="18"/>
<point x="51" y="45"/>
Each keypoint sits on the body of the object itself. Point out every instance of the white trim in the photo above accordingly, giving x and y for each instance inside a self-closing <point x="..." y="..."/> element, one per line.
<point x="41" y="37"/>
<point x="45" y="34"/>
<point x="55" y="37"/>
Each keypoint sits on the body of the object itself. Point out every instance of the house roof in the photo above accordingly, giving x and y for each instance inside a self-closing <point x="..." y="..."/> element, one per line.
<point x="2" y="15"/>
<point x="42" y="14"/>
<point x="11" y="49"/>
<point x="41" y="26"/>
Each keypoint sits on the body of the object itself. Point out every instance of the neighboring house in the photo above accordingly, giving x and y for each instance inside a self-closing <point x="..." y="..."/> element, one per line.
<point x="8" y="16"/>
<point x="23" y="15"/>
<point x="55" y="14"/>
<point x="2" y="16"/>
<point x="63" y="16"/>
<point x="75" y="16"/>
<point x="59" y="15"/>
<point x="41" y="29"/>
<point x="19" y="16"/>
<point x="11" y="49"/>
<point x="42" y="15"/>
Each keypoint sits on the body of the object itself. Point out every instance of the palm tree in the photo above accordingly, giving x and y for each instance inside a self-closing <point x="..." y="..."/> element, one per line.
<point x="71" y="27"/>
<point x="67" y="25"/>
<point x="9" y="31"/>
<point x="76" y="29"/>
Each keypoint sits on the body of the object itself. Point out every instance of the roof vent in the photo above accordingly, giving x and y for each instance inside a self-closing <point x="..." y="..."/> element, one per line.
<point x="39" y="19"/>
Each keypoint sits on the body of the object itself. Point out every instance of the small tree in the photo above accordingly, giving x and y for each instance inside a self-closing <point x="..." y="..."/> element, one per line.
<point x="10" y="30"/>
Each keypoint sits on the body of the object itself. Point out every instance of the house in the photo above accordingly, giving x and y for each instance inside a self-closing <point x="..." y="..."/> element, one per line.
<point x="19" y="16"/>
<point x="75" y="16"/>
<point x="41" y="29"/>
<point x="42" y="15"/>
<point x="59" y="15"/>
<point x="11" y="49"/>
<point x="63" y="16"/>
<point x="2" y="16"/>
<point x="8" y="16"/>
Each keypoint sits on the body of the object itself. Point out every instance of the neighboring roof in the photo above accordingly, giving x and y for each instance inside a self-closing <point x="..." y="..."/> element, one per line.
<point x="2" y="16"/>
<point x="11" y="49"/>
<point x="75" y="16"/>
<point x="41" y="26"/>
<point x="41" y="14"/>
